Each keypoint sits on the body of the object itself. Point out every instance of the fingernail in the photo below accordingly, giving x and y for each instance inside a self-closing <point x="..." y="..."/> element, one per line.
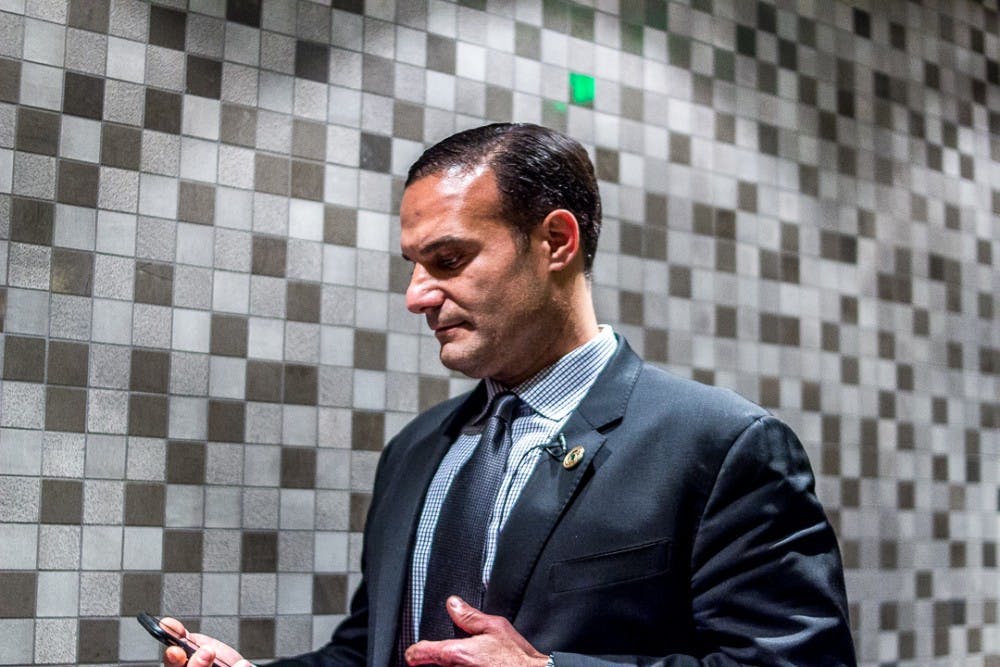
<point x="454" y="602"/>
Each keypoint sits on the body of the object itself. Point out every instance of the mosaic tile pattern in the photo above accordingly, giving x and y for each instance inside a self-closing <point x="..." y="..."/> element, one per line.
<point x="204" y="345"/>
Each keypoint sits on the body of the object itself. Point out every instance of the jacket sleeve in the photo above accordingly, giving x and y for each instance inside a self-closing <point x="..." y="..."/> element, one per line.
<point x="767" y="580"/>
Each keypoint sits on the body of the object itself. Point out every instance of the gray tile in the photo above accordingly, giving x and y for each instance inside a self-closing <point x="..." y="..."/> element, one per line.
<point x="56" y="640"/>
<point x="63" y="455"/>
<point x="58" y="547"/>
<point x="100" y="593"/>
<point x="19" y="499"/>
<point x="103" y="501"/>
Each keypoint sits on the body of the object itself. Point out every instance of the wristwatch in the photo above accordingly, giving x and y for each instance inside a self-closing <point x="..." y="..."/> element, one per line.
<point x="551" y="662"/>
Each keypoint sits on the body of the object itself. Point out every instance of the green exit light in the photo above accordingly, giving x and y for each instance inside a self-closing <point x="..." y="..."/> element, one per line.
<point x="581" y="89"/>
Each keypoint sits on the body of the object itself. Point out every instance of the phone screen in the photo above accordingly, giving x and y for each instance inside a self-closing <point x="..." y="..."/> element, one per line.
<point x="169" y="638"/>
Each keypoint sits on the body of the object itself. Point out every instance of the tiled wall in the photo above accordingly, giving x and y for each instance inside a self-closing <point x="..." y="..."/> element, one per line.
<point x="204" y="344"/>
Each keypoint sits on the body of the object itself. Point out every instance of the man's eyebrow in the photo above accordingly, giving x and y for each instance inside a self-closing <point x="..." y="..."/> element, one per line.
<point x="435" y="245"/>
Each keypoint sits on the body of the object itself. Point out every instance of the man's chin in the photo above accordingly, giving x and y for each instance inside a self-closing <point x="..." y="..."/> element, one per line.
<point x="454" y="358"/>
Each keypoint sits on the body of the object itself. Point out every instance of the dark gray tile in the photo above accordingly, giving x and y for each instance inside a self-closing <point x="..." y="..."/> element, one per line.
<point x="259" y="551"/>
<point x="78" y="183"/>
<point x="121" y="146"/>
<point x="167" y="27"/>
<point x="329" y="594"/>
<point x="300" y="384"/>
<point x="298" y="467"/>
<point x="83" y="95"/>
<point x="147" y="415"/>
<point x="141" y="591"/>
<point x="312" y="60"/>
<point x="440" y="54"/>
<point x="72" y="272"/>
<point x="204" y="77"/>
<point x="226" y="421"/>
<point x="65" y="409"/>
<point x="37" y="131"/>
<point x="263" y="381"/>
<point x="24" y="359"/>
<point x="228" y="335"/>
<point x="62" y="502"/>
<point x="246" y="12"/>
<point x="196" y="203"/>
<point x="89" y="14"/>
<point x="163" y="111"/>
<point x="340" y="225"/>
<point x="68" y="363"/>
<point x="145" y="504"/>
<point x="154" y="283"/>
<point x="182" y="550"/>
<point x="97" y="640"/>
<point x="268" y="256"/>
<point x="368" y="428"/>
<point x="185" y="462"/>
<point x="10" y="80"/>
<point x="257" y="637"/>
<point x="375" y="152"/>
<point x="150" y="371"/>
<point x="359" y="504"/>
<point x="302" y="301"/>
<point x="307" y="180"/>
<point x="18" y="600"/>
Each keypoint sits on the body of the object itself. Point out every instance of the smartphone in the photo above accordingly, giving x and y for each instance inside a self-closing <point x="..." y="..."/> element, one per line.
<point x="170" y="638"/>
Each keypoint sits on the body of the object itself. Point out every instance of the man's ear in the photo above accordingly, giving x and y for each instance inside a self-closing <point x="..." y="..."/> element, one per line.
<point x="562" y="233"/>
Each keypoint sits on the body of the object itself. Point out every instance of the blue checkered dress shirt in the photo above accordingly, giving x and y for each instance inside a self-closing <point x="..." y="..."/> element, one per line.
<point x="552" y="395"/>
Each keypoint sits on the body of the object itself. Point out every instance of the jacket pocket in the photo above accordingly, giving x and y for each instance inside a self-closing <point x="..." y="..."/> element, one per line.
<point x="611" y="567"/>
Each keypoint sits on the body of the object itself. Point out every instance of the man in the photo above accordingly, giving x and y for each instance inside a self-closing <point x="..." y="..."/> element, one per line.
<point x="639" y="518"/>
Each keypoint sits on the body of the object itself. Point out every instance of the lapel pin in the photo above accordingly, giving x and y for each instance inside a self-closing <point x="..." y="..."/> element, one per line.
<point x="574" y="457"/>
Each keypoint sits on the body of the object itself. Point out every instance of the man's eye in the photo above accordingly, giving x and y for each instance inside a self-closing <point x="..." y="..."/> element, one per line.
<point x="449" y="262"/>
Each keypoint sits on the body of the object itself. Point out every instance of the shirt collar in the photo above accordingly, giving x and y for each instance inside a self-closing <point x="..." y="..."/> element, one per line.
<point x="555" y="391"/>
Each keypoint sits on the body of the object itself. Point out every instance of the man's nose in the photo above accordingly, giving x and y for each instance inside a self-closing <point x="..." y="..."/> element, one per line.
<point x="423" y="292"/>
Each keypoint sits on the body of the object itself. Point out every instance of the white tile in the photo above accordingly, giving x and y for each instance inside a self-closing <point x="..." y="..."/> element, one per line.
<point x="41" y="86"/>
<point x="188" y="418"/>
<point x="194" y="244"/>
<point x="305" y="220"/>
<point x="80" y="139"/>
<point x="75" y="227"/>
<point x="191" y="330"/>
<point x="116" y="233"/>
<point x="158" y="196"/>
<point x="126" y="60"/>
<point x="44" y="42"/>
<point x="199" y="159"/>
<point x="231" y="292"/>
<point x="233" y="208"/>
<point x="201" y="117"/>
<point x="265" y="338"/>
<point x="227" y="377"/>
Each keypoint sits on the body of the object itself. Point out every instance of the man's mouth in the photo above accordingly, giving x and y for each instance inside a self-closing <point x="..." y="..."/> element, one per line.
<point x="444" y="329"/>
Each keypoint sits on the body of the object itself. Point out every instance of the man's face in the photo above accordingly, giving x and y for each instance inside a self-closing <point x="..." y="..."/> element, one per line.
<point x="484" y="291"/>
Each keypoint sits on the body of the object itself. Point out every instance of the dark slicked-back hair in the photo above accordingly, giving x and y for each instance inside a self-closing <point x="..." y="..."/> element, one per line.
<point x="537" y="171"/>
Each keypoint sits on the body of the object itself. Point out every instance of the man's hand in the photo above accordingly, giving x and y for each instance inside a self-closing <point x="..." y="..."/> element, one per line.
<point x="493" y="642"/>
<point x="205" y="656"/>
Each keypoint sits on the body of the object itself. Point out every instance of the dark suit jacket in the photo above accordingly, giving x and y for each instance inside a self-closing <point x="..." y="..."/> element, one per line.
<point x="689" y="534"/>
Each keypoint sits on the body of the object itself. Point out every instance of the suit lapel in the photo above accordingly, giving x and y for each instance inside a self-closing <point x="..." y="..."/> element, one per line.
<point x="551" y="487"/>
<point x="408" y="486"/>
